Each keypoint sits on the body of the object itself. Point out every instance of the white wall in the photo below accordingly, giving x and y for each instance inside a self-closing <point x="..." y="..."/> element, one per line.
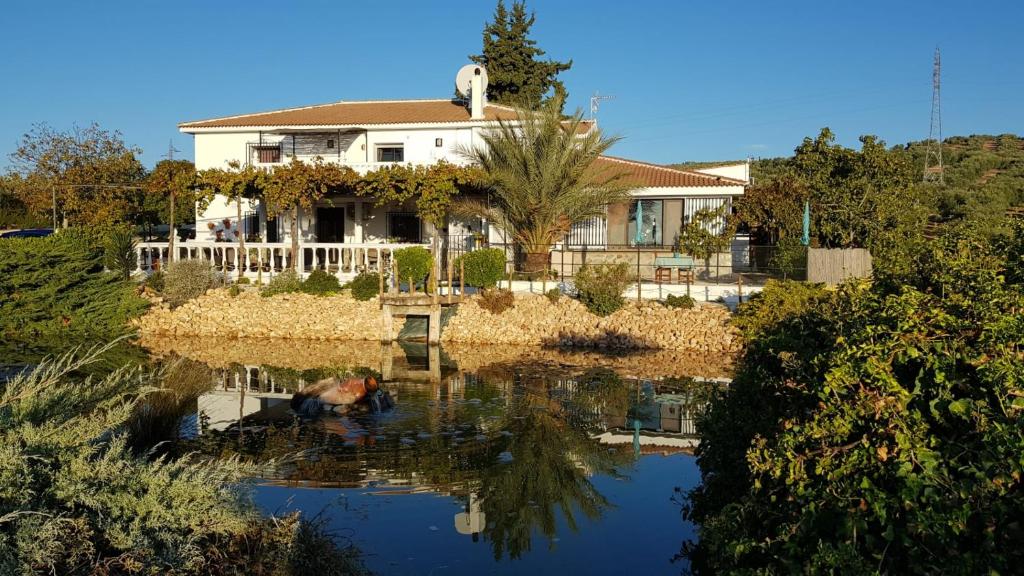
<point x="216" y="149"/>
<point x="739" y="171"/>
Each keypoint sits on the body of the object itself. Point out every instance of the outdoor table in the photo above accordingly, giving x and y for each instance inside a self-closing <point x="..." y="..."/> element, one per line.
<point x="680" y="263"/>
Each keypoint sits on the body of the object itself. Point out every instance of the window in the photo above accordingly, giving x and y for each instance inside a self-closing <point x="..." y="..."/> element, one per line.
<point x="390" y="154"/>
<point x="403" y="227"/>
<point x="330" y="142"/>
<point x="648" y="213"/>
<point x="268" y="154"/>
<point x="693" y="205"/>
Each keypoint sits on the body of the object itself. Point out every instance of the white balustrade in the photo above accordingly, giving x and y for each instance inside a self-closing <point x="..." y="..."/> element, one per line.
<point x="270" y="258"/>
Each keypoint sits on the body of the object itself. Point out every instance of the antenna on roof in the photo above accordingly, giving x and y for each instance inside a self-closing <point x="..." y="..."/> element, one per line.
<point x="595" y="102"/>
<point x="464" y="79"/>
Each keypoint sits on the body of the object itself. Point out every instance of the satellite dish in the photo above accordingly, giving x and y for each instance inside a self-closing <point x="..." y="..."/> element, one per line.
<point x="465" y="76"/>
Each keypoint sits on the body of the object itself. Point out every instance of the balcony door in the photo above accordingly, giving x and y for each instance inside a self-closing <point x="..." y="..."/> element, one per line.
<point x="330" y="224"/>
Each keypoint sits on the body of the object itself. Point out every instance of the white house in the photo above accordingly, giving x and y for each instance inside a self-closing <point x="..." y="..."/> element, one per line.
<point x="346" y="234"/>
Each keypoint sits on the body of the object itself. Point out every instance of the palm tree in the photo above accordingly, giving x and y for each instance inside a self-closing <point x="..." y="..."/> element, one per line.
<point x="543" y="179"/>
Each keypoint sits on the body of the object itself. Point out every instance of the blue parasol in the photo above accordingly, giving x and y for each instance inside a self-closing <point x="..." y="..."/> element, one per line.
<point x="806" y="239"/>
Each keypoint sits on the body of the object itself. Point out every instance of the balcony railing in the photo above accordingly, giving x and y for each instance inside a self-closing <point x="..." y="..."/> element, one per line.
<point x="342" y="260"/>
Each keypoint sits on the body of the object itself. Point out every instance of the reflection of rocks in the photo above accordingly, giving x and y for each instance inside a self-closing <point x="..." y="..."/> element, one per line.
<point x="535" y="321"/>
<point x="305" y="354"/>
<point x="649" y="363"/>
<point x="279" y="352"/>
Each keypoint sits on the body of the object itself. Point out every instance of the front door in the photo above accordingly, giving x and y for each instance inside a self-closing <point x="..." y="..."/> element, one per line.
<point x="330" y="224"/>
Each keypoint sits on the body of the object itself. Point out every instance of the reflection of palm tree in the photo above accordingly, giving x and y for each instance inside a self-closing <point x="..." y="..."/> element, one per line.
<point x="550" y="467"/>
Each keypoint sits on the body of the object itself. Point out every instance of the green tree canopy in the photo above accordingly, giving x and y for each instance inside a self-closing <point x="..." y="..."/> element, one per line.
<point x="94" y="175"/>
<point x="517" y="75"/>
<point x="543" y="179"/>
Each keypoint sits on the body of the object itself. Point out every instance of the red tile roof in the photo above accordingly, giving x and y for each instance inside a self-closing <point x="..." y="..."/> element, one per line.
<point x="359" y="113"/>
<point x="647" y="175"/>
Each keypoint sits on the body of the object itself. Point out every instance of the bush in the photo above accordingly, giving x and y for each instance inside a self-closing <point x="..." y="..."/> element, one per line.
<point x="155" y="281"/>
<point x="234" y="290"/>
<point x="285" y="282"/>
<point x="870" y="429"/>
<point x="365" y="286"/>
<point x="778" y="301"/>
<point x="97" y="507"/>
<point x="320" y="282"/>
<point x="187" y="279"/>
<point x="55" y="286"/>
<point x="414" y="262"/>
<point x="600" y="288"/>
<point x="243" y="280"/>
<point x="119" y="254"/>
<point x="554" y="295"/>
<point x="683" y="301"/>
<point x="496" y="301"/>
<point x="483" y="268"/>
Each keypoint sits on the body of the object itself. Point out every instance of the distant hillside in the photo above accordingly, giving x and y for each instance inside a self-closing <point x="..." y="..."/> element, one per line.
<point x="984" y="174"/>
<point x="700" y="165"/>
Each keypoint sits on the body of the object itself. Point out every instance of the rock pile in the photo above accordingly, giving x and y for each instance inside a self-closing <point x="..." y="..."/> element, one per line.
<point x="535" y="321"/>
<point x="532" y="321"/>
<point x="249" y="315"/>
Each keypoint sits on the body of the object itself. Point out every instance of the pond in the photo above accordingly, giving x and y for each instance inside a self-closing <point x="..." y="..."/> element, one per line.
<point x="492" y="461"/>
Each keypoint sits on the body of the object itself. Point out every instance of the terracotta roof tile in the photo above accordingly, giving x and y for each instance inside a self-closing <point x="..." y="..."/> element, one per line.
<point x="648" y="175"/>
<point x="358" y="113"/>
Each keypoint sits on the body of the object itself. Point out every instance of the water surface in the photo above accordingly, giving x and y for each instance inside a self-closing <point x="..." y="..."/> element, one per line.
<point x="493" y="461"/>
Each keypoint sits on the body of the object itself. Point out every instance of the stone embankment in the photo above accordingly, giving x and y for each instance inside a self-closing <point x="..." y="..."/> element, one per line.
<point x="535" y="321"/>
<point x="249" y="315"/>
<point x="532" y="321"/>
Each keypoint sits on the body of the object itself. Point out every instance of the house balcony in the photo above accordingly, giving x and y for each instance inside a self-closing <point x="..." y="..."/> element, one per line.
<point x="343" y="260"/>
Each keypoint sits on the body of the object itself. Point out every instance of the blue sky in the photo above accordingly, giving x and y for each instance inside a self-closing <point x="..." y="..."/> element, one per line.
<point x="692" y="81"/>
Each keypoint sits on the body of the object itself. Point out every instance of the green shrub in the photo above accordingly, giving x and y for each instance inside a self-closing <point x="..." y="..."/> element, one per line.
<point x="320" y="282"/>
<point x="778" y="301"/>
<point x="365" y="286"/>
<point x="414" y="262"/>
<point x="56" y="287"/>
<point x="496" y="301"/>
<point x="155" y="281"/>
<point x="243" y="280"/>
<point x="187" y="279"/>
<point x="119" y="253"/>
<point x="554" y="295"/>
<point x="600" y="288"/>
<point x="683" y="301"/>
<point x="234" y="290"/>
<point x="97" y="507"/>
<point x="483" y="268"/>
<point x="285" y="282"/>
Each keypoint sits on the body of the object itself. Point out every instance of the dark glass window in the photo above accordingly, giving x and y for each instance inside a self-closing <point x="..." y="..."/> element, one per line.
<point x="403" y="227"/>
<point x="390" y="154"/>
<point x="650" y="220"/>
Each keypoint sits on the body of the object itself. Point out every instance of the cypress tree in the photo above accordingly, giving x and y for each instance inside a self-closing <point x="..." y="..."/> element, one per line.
<point x="517" y="74"/>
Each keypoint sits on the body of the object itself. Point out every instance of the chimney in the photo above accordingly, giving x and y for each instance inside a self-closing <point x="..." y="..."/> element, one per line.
<point x="476" y="95"/>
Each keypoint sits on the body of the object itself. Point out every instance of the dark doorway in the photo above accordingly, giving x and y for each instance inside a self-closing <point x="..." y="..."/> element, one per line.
<point x="404" y="227"/>
<point x="330" y="224"/>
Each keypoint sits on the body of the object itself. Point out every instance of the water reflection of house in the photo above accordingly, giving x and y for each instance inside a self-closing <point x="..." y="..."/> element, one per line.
<point x="243" y="391"/>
